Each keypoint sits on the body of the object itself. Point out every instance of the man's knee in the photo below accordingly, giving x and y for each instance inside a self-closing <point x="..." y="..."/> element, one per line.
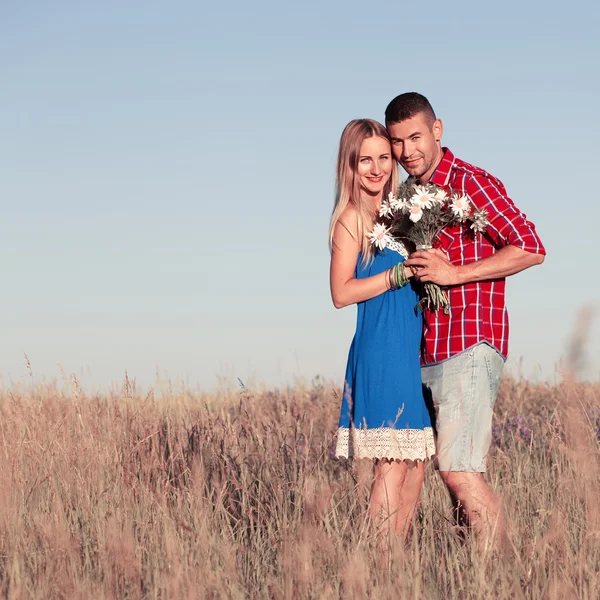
<point x="460" y="483"/>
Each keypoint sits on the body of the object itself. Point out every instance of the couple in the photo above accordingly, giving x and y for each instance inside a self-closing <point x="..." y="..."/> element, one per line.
<point x="384" y="415"/>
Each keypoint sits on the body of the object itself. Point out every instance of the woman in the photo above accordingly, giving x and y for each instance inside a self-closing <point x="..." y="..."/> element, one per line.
<point x="383" y="415"/>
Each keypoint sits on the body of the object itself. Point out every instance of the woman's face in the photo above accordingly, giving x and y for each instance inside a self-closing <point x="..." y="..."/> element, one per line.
<point x="375" y="165"/>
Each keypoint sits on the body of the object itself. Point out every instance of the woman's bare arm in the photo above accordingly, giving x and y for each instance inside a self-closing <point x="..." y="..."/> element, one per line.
<point x="345" y="288"/>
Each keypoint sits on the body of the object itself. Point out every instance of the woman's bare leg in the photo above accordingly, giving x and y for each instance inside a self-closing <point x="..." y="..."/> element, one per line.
<point x="409" y="498"/>
<point x="395" y="496"/>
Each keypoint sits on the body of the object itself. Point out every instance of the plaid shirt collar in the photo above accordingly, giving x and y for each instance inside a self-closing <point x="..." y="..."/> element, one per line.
<point x="441" y="175"/>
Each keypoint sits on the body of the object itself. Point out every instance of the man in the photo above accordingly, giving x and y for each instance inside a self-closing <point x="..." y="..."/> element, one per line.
<point x="463" y="353"/>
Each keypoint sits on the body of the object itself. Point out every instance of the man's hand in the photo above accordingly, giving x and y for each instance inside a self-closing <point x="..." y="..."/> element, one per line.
<point x="432" y="265"/>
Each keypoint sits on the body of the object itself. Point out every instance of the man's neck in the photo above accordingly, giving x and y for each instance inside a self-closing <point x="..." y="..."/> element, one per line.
<point x="427" y="176"/>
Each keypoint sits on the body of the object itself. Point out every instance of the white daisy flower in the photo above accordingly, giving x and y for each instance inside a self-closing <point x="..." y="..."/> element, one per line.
<point x="380" y="236"/>
<point x="386" y="209"/>
<point x="399" y="205"/>
<point x="422" y="197"/>
<point x="480" y="221"/>
<point x="441" y="196"/>
<point x="460" y="206"/>
<point x="416" y="212"/>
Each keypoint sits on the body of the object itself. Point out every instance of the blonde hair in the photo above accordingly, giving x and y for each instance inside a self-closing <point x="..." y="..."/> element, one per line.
<point x="347" y="183"/>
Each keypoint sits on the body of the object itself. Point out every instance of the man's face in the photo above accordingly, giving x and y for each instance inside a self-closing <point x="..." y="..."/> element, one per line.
<point x="416" y="145"/>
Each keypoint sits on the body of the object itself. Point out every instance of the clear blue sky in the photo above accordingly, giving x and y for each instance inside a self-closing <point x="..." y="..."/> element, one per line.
<point x="166" y="173"/>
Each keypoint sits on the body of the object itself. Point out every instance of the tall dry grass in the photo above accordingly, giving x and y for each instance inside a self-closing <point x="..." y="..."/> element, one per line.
<point x="236" y="495"/>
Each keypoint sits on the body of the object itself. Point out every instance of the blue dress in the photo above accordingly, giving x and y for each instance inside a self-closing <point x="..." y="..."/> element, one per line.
<point x="383" y="412"/>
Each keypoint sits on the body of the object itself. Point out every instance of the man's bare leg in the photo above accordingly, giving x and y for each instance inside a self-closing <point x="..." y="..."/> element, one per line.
<point x="480" y="504"/>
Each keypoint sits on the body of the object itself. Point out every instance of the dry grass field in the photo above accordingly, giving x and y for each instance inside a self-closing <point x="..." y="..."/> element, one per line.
<point x="236" y="495"/>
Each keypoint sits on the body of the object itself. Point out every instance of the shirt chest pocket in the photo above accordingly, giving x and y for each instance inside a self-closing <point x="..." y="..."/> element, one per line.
<point x="449" y="242"/>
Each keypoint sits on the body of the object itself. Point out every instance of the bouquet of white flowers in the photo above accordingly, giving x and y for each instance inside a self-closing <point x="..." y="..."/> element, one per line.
<point x="417" y="214"/>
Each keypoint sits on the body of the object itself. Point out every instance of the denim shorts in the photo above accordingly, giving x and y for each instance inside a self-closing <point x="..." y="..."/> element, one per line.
<point x="461" y="392"/>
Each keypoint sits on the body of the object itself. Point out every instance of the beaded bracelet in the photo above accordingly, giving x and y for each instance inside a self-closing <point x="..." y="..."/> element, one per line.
<point x="389" y="279"/>
<point x="404" y="279"/>
<point x="397" y="277"/>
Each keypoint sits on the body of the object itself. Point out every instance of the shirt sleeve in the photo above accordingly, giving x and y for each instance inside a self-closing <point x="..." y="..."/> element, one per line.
<point x="507" y="224"/>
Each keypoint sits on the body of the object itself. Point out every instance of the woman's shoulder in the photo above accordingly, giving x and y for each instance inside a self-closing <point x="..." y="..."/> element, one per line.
<point x="349" y="219"/>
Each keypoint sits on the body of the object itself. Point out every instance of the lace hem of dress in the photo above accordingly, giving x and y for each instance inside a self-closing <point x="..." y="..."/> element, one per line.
<point x="385" y="442"/>
<point x="398" y="247"/>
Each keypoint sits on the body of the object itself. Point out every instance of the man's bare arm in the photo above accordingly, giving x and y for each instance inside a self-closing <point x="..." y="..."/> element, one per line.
<point x="432" y="265"/>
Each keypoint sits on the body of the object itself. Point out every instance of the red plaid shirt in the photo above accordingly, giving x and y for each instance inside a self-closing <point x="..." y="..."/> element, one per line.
<point x="477" y="310"/>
